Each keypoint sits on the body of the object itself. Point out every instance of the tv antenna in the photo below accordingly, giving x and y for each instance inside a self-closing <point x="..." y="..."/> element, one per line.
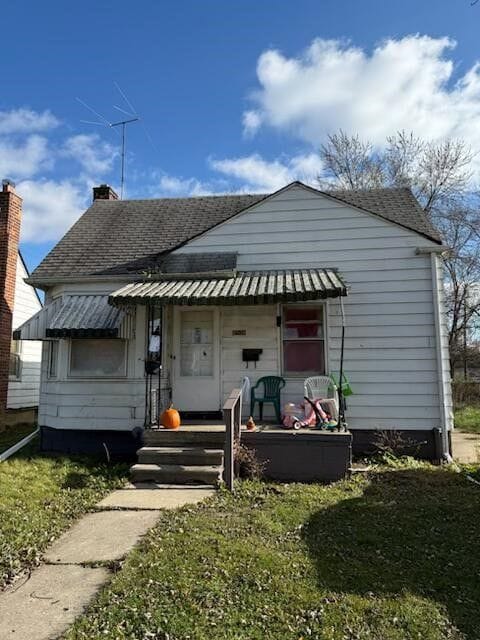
<point x="132" y="117"/>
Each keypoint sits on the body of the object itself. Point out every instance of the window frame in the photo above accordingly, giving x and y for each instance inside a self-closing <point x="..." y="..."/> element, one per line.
<point x="53" y="358"/>
<point x="305" y="305"/>
<point x="89" y="376"/>
<point x="16" y="377"/>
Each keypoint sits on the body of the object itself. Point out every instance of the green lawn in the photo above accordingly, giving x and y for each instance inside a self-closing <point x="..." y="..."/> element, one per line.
<point x="468" y="419"/>
<point x="392" y="556"/>
<point x="39" y="499"/>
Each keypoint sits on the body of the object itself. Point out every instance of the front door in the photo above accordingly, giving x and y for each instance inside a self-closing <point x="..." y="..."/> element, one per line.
<point x="196" y="385"/>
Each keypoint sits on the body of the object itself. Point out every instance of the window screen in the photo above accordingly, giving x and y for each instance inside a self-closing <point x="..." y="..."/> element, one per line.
<point x="98" y="358"/>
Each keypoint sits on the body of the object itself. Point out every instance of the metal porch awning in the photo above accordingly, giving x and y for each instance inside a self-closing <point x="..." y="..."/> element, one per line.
<point x="256" y="287"/>
<point x="76" y="316"/>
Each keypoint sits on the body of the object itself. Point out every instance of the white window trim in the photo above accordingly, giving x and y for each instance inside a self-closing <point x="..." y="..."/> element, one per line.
<point x="288" y="375"/>
<point x="87" y="376"/>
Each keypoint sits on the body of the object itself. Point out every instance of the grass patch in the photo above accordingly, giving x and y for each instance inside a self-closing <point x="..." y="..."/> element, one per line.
<point x="14" y="434"/>
<point x="468" y="419"/>
<point x="40" y="497"/>
<point x="391" y="556"/>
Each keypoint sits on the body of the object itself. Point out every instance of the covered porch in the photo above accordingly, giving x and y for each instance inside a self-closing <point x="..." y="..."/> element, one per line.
<point x="206" y="333"/>
<point x="209" y="339"/>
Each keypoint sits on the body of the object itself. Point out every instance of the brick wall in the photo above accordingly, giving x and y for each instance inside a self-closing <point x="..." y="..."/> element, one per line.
<point x="10" y="219"/>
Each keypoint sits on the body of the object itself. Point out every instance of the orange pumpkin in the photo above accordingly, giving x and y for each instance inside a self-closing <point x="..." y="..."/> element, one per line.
<point x="170" y="418"/>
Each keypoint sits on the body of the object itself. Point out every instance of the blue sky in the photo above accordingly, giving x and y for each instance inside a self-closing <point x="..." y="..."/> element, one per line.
<point x="233" y="96"/>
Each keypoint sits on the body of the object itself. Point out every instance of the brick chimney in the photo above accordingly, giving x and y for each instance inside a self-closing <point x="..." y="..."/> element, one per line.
<point x="10" y="218"/>
<point x="104" y="192"/>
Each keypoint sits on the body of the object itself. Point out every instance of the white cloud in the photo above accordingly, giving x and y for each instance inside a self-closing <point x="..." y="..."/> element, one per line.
<point x="259" y="175"/>
<point x="156" y="183"/>
<point x="252" y="121"/>
<point x="25" y="120"/>
<point x="50" y="208"/>
<point x="94" y="154"/>
<point x="181" y="187"/>
<point x="23" y="159"/>
<point x="402" y="84"/>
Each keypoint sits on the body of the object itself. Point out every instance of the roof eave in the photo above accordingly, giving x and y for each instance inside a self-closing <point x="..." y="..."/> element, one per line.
<point x="46" y="283"/>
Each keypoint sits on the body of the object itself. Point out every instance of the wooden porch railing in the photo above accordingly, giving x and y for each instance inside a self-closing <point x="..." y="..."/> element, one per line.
<point x="232" y="416"/>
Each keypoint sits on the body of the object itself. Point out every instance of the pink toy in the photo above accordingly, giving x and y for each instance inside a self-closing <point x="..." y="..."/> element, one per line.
<point x="310" y="418"/>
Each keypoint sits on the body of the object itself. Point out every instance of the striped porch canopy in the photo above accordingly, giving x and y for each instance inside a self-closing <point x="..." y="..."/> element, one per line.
<point x="75" y="316"/>
<point x="255" y="287"/>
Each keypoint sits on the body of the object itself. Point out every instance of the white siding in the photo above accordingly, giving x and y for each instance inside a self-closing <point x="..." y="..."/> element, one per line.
<point x="94" y="403"/>
<point x="390" y="352"/>
<point x="261" y="331"/>
<point x="25" y="392"/>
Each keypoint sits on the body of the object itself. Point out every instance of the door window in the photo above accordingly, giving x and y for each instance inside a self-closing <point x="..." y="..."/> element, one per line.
<point x="196" y="343"/>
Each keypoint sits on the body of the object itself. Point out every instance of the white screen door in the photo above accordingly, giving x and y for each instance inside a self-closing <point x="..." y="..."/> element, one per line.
<point x="196" y="371"/>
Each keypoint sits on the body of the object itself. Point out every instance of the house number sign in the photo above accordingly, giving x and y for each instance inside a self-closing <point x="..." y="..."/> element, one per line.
<point x="239" y="332"/>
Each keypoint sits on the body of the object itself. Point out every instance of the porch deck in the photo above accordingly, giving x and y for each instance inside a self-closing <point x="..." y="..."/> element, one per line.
<point x="306" y="455"/>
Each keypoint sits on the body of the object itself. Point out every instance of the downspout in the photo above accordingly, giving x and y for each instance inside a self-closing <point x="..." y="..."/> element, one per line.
<point x="341" y="399"/>
<point x="437" y="311"/>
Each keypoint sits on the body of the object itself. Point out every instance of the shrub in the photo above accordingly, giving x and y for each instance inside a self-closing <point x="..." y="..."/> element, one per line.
<point x="394" y="443"/>
<point x="247" y="462"/>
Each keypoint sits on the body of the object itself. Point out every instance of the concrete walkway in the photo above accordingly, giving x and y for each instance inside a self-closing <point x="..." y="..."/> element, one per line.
<point x="45" y="604"/>
<point x="466" y="447"/>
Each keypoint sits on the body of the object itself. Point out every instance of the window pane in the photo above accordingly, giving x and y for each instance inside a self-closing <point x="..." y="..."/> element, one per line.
<point x="196" y="348"/>
<point x="98" y="358"/>
<point x="15" y="359"/>
<point x="14" y="370"/>
<point x="303" y="322"/>
<point x="295" y="314"/>
<point x="52" y="364"/>
<point x="306" y="356"/>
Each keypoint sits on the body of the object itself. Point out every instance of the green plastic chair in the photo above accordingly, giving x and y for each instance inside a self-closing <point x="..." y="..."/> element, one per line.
<point x="271" y="385"/>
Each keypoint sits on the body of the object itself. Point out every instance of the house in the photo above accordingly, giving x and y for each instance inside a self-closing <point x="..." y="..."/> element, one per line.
<point x="196" y="284"/>
<point x="19" y="360"/>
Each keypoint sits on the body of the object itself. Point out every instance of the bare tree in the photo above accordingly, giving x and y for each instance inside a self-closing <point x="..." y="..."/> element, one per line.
<point x="460" y="227"/>
<point x="439" y="174"/>
<point x="351" y="163"/>
<point x="436" y="172"/>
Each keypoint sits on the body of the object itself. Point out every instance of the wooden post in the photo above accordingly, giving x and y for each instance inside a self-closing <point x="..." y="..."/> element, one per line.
<point x="232" y="416"/>
<point x="228" y="451"/>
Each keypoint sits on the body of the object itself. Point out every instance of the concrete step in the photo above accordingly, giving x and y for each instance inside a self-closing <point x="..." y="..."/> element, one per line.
<point x="189" y="456"/>
<point x="184" y="438"/>
<point x="176" y="473"/>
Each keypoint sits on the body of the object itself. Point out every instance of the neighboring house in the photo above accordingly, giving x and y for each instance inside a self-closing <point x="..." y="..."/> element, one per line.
<point x="215" y="275"/>
<point x="19" y="361"/>
<point x="25" y="356"/>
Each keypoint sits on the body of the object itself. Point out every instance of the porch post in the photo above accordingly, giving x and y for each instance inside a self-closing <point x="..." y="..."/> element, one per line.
<point x="228" y="471"/>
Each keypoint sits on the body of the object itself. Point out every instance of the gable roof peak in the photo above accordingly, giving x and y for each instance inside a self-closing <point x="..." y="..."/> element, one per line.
<point x="113" y="235"/>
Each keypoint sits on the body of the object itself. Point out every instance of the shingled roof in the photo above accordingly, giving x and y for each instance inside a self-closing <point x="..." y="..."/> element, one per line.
<point x="121" y="236"/>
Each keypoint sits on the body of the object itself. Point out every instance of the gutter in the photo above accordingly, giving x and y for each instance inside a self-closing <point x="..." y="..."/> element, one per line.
<point x="440" y="249"/>
<point x="46" y="283"/>
<point x="437" y="311"/>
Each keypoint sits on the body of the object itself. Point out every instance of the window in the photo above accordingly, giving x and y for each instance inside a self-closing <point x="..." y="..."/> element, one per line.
<point x="303" y="340"/>
<point x="196" y="343"/>
<point x="53" y="359"/>
<point x="92" y="358"/>
<point x="15" y="360"/>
